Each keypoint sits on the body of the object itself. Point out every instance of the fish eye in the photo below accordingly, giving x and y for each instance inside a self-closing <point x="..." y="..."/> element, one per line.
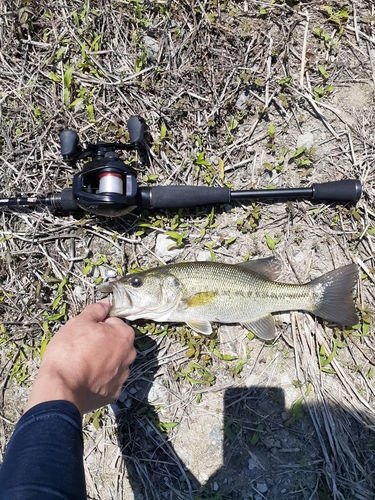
<point x="136" y="281"/>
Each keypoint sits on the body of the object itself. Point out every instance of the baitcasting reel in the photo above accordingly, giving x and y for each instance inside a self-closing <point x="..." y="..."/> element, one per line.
<point x="108" y="186"/>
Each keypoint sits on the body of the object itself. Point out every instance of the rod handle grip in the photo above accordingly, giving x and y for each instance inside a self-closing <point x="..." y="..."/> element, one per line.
<point x="182" y="196"/>
<point x="345" y="190"/>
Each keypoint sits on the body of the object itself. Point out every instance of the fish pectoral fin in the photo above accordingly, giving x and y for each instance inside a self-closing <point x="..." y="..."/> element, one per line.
<point x="263" y="327"/>
<point x="200" y="326"/>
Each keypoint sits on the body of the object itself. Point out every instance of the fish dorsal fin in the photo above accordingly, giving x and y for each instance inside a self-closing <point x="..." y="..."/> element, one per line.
<point x="269" y="268"/>
<point x="200" y="326"/>
<point x="263" y="327"/>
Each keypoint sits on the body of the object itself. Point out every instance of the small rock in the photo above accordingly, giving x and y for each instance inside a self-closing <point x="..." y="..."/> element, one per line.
<point x="111" y="273"/>
<point x="95" y="273"/>
<point x="163" y="241"/>
<point x="261" y="487"/>
<point x="306" y="140"/>
<point x="203" y="255"/>
<point x="80" y="294"/>
<point x="118" y="407"/>
<point x="216" y="434"/>
<point x="269" y="441"/>
<point x="242" y="100"/>
<point x="152" y="47"/>
<point x="22" y="391"/>
<point x="123" y="396"/>
<point x="215" y="486"/>
<point x="258" y="496"/>
<point x="252" y="380"/>
<point x="157" y="391"/>
<point x="252" y="464"/>
<point x="150" y="430"/>
<point x="253" y="473"/>
<point x="284" y="433"/>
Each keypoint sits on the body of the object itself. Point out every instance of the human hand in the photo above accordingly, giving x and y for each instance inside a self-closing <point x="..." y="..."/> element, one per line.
<point x="87" y="361"/>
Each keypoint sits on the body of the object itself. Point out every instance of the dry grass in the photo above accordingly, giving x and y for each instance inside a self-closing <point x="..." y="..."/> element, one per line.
<point x="219" y="76"/>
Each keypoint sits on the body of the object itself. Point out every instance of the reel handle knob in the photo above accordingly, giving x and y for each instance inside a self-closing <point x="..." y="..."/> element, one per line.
<point x="136" y="127"/>
<point x="68" y="143"/>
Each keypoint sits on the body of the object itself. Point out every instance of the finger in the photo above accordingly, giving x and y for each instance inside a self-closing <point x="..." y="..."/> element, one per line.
<point x="98" y="311"/>
<point x="111" y="320"/>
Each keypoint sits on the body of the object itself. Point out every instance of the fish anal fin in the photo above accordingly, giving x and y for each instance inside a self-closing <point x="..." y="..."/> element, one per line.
<point x="200" y="299"/>
<point x="269" y="268"/>
<point x="263" y="327"/>
<point x="200" y="326"/>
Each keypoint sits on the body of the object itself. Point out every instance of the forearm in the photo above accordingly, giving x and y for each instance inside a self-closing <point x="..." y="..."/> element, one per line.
<point x="44" y="458"/>
<point x="50" y="386"/>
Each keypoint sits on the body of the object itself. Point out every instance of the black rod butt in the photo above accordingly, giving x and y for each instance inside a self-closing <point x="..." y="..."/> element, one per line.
<point x="346" y="190"/>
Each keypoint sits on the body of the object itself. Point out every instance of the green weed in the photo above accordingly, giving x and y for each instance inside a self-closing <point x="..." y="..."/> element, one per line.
<point x="271" y="242"/>
<point x="96" y="418"/>
<point x="339" y="17"/>
<point x="250" y="222"/>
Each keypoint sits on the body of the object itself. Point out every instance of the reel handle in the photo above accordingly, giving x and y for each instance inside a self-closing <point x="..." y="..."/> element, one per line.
<point x="136" y="127"/>
<point x="68" y="143"/>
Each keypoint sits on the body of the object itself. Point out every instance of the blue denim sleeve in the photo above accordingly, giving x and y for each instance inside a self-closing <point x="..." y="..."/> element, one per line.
<point x="44" y="457"/>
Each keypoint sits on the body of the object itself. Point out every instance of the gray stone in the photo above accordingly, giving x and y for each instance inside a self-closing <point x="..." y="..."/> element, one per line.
<point x="242" y="100"/>
<point x="306" y="140"/>
<point x="152" y="47"/>
<point x="80" y="294"/>
<point x="163" y="241"/>
<point x="261" y="487"/>
<point x="157" y="391"/>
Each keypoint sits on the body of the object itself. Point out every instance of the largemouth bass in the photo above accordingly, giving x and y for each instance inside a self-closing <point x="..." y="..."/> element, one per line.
<point x="199" y="293"/>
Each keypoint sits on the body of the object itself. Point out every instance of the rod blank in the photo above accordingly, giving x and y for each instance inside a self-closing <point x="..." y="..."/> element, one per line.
<point x="345" y="190"/>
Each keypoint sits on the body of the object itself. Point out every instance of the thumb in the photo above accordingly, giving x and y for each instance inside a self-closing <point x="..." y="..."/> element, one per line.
<point x="97" y="312"/>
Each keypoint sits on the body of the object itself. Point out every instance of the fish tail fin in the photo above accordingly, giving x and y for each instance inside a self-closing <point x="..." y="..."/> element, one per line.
<point x="334" y="293"/>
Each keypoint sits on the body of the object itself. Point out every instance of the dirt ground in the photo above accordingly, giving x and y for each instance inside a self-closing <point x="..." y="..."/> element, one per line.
<point x="245" y="94"/>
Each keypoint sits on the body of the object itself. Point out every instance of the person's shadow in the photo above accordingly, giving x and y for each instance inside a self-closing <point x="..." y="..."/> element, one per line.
<point x="268" y="453"/>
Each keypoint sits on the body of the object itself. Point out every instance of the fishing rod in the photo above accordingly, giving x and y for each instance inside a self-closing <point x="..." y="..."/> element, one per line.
<point x="108" y="186"/>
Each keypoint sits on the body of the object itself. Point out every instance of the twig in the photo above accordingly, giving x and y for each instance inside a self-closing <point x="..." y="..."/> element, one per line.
<point x="303" y="55"/>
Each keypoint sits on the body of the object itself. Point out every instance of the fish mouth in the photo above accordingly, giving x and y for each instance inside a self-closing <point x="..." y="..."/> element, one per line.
<point x="120" y="298"/>
<point x="121" y="301"/>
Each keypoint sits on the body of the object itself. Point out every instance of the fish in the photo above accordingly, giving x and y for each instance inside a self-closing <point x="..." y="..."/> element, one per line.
<point x="201" y="293"/>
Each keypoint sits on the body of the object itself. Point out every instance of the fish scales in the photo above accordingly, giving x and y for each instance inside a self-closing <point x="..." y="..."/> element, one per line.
<point x="199" y="293"/>
<point x="259" y="296"/>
